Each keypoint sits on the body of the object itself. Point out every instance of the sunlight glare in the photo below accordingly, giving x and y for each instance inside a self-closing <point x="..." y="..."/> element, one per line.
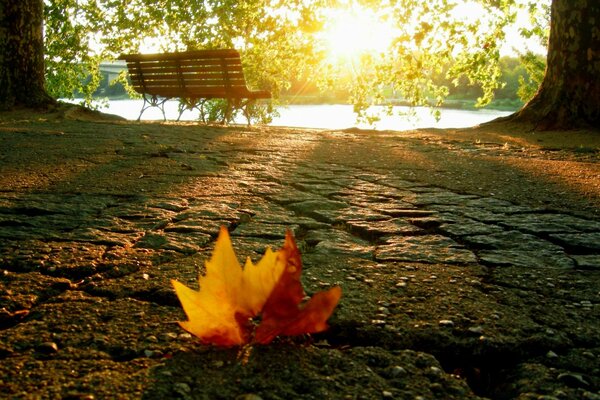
<point x="352" y="32"/>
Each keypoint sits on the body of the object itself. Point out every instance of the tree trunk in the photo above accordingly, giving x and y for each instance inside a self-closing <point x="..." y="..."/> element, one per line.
<point x="569" y="96"/>
<point x="22" y="71"/>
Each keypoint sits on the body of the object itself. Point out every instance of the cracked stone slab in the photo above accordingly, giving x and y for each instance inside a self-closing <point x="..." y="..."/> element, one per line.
<point x="319" y="209"/>
<point x="510" y="240"/>
<point x="497" y="205"/>
<point x="447" y="198"/>
<point x="466" y="226"/>
<point x="262" y="230"/>
<point x="373" y="230"/>
<point x="209" y="209"/>
<point x="254" y="247"/>
<point x="588" y="261"/>
<point x="335" y="241"/>
<point x="206" y="226"/>
<point x="541" y="258"/>
<point x="318" y="187"/>
<point x="354" y="213"/>
<point x="187" y="243"/>
<point x="176" y="205"/>
<point x="103" y="237"/>
<point x="290" y="195"/>
<point x="427" y="248"/>
<point x="550" y="223"/>
<point x="586" y="242"/>
<point x="475" y="213"/>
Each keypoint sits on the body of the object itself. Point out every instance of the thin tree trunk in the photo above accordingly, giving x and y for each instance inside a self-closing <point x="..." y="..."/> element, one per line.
<point x="569" y="96"/>
<point x="22" y="80"/>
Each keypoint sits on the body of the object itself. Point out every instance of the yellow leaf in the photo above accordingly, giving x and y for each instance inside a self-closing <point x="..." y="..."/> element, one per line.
<point x="228" y="297"/>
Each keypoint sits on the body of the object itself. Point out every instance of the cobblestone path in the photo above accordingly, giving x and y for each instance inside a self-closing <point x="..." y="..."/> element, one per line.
<point x="447" y="292"/>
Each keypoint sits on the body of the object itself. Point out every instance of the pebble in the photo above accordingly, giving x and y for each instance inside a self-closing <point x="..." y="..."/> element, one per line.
<point x="383" y="310"/>
<point x="551" y="354"/>
<point x="152" y="339"/>
<point x="387" y="394"/>
<point x="182" y="388"/>
<point x="573" y="380"/>
<point x="588" y="354"/>
<point x="79" y="396"/>
<point x="169" y="336"/>
<point x="47" y="348"/>
<point x="475" y="330"/>
<point x="446" y="323"/>
<point x="397" y="371"/>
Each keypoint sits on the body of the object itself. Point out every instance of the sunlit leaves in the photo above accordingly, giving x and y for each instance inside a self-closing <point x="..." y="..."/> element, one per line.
<point x="282" y="42"/>
<point x="271" y="35"/>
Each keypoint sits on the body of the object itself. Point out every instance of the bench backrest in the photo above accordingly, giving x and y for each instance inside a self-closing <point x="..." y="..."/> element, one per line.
<point x="200" y="73"/>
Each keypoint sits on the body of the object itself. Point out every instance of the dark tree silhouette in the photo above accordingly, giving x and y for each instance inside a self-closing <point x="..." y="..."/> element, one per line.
<point x="569" y="96"/>
<point x="22" y="54"/>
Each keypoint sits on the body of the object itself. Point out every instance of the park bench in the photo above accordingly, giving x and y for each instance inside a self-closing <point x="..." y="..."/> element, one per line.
<point x="193" y="77"/>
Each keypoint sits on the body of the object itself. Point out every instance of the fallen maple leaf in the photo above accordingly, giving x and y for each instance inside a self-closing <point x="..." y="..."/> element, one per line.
<point x="220" y="312"/>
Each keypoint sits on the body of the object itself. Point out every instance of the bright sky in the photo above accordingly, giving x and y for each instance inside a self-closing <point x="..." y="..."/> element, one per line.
<point x="354" y="30"/>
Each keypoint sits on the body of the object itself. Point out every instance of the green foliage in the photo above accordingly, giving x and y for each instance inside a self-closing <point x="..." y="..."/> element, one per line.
<point x="271" y="34"/>
<point x="71" y="65"/>
<point x="433" y="50"/>
<point x="539" y="28"/>
<point x="529" y="84"/>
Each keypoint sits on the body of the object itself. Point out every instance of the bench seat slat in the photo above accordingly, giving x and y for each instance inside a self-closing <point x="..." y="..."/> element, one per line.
<point x="156" y="69"/>
<point x="188" y="84"/>
<point x="216" y="64"/>
<point x="190" y="77"/>
<point x="217" y="53"/>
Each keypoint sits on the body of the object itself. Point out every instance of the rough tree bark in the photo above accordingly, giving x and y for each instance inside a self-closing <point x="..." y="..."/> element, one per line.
<point x="22" y="54"/>
<point x="569" y="96"/>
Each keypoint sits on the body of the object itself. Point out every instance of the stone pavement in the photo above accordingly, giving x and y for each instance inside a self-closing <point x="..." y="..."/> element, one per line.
<point x="95" y="218"/>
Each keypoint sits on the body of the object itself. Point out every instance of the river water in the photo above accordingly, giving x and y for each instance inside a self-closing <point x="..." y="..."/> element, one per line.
<point x="326" y="116"/>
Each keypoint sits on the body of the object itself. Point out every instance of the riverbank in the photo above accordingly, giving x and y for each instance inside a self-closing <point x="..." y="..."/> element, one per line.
<point x="333" y="116"/>
<point x="468" y="258"/>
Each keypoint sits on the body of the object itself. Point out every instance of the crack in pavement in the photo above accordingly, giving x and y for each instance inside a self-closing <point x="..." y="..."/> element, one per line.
<point x="471" y="293"/>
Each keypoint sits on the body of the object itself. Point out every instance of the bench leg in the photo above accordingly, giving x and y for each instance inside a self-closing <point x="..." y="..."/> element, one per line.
<point x="247" y="111"/>
<point x="153" y="101"/>
<point x="190" y="104"/>
<point x="144" y="107"/>
<point x="228" y="112"/>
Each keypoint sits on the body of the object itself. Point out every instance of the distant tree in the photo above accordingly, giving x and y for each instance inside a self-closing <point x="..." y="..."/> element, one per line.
<point x="538" y="30"/>
<point x="529" y="83"/>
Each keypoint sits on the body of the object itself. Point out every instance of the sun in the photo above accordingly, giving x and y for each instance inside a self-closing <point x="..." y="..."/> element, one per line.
<point x="349" y="33"/>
